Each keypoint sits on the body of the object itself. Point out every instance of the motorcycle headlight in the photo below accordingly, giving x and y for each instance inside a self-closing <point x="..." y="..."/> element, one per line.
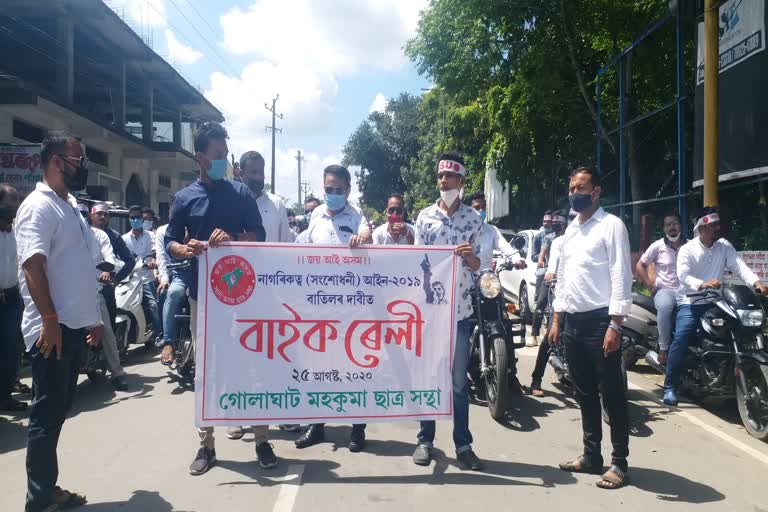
<point x="750" y="317"/>
<point x="490" y="286"/>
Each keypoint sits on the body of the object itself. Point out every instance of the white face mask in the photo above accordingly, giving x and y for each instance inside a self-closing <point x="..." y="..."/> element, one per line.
<point x="449" y="197"/>
<point x="147" y="225"/>
<point x="673" y="239"/>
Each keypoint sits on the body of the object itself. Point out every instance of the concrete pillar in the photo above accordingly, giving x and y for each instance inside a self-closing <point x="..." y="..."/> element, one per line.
<point x="121" y="94"/>
<point x="147" y="114"/>
<point x="177" y="129"/>
<point x="65" y="58"/>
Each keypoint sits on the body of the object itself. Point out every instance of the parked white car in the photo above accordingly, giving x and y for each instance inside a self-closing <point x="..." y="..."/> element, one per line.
<point x="520" y="285"/>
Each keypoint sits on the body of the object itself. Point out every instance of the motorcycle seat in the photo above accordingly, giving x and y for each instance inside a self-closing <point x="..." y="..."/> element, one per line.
<point x="644" y="301"/>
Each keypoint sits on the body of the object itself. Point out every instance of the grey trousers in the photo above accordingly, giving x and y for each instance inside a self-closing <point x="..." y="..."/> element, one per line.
<point x="207" y="439"/>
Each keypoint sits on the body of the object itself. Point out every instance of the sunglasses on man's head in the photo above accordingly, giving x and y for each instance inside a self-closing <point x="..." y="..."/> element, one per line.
<point x="395" y="209"/>
<point x="337" y="191"/>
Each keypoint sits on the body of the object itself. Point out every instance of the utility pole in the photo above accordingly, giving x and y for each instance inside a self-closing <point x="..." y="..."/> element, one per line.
<point x="306" y="189"/>
<point x="711" y="98"/>
<point x="299" y="158"/>
<point x="273" y="129"/>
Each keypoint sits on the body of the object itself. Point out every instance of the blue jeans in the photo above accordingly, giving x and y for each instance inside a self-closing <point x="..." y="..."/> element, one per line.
<point x="174" y="299"/>
<point x="462" y="437"/>
<point x="151" y="310"/>
<point x="54" y="383"/>
<point x="686" y="324"/>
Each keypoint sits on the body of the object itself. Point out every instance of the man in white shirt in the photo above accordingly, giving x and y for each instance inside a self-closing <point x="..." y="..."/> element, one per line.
<point x="701" y="265"/>
<point x="491" y="239"/>
<point x="103" y="252"/>
<point x="336" y="223"/>
<point x="141" y="242"/>
<point x="451" y="222"/>
<point x="11" y="307"/>
<point x="61" y="306"/>
<point x="663" y="255"/>
<point x="395" y="231"/>
<point x="274" y="216"/>
<point x="594" y="295"/>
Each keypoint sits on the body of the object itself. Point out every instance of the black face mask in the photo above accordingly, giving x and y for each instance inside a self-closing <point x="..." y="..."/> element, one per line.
<point x="77" y="181"/>
<point x="7" y="214"/>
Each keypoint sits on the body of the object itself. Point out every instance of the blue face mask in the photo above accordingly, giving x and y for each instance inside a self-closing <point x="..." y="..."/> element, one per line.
<point x="335" y="202"/>
<point x="482" y="214"/>
<point x="136" y="223"/>
<point x="218" y="169"/>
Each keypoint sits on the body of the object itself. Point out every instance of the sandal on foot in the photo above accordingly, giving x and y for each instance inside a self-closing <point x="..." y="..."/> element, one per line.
<point x="613" y="479"/>
<point x="581" y="465"/>
<point x="166" y="358"/>
<point x="64" y="499"/>
<point x="537" y="391"/>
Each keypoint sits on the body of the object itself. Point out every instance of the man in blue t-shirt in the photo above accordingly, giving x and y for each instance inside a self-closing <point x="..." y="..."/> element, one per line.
<point x="212" y="210"/>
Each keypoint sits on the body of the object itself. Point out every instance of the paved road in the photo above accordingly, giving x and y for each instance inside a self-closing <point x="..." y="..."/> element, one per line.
<point x="130" y="452"/>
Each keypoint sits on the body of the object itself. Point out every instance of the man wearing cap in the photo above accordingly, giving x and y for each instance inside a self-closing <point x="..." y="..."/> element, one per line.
<point x="701" y="265"/>
<point x="451" y="222"/>
<point x="103" y="252"/>
<point x="557" y="228"/>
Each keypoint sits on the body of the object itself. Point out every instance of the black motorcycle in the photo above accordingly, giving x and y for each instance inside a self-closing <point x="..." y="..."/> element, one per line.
<point x="729" y="357"/>
<point x="93" y="362"/>
<point x="184" y="356"/>
<point x="493" y="365"/>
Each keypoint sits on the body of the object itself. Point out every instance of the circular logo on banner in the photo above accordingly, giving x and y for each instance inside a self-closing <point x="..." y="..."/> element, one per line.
<point x="233" y="280"/>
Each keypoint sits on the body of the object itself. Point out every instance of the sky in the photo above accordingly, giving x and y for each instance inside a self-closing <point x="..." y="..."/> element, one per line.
<point x="331" y="61"/>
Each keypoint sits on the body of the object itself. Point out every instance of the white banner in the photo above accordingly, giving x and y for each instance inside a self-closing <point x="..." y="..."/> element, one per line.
<point x="742" y="34"/>
<point x="20" y="166"/>
<point x="311" y="334"/>
<point x="757" y="261"/>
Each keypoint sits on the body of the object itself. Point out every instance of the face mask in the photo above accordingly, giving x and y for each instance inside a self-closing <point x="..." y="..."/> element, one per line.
<point x="147" y="225"/>
<point x="673" y="239"/>
<point x="136" y="223"/>
<point x="580" y="202"/>
<point x="217" y="170"/>
<point x="394" y="218"/>
<point x="449" y="197"/>
<point x="548" y="230"/>
<point x="76" y="181"/>
<point x="335" y="202"/>
<point x="482" y="214"/>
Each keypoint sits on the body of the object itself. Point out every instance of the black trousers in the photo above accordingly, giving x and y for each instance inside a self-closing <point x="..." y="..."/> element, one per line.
<point x="595" y="375"/>
<point x="541" y="305"/>
<point x="11" y="311"/>
<point x="541" y="361"/>
<point x="53" y="387"/>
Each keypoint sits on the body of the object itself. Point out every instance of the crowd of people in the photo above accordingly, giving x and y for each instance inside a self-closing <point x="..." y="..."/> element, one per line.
<point x="47" y="238"/>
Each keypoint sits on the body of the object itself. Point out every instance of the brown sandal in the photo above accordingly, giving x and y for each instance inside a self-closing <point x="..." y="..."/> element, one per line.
<point x="613" y="479"/>
<point x="63" y="499"/>
<point x="581" y="465"/>
<point x="166" y="358"/>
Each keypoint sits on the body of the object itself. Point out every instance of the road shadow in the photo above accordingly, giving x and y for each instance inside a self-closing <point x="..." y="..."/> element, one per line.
<point x="672" y="487"/>
<point x="13" y="434"/>
<point x="523" y="411"/>
<point x="94" y="396"/>
<point x="140" y="501"/>
<point x="641" y="415"/>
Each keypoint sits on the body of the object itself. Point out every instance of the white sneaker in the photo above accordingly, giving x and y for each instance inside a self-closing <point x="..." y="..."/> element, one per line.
<point x="530" y="341"/>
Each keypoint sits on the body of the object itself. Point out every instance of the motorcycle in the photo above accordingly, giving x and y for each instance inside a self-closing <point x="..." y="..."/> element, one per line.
<point x="493" y="365"/>
<point x="131" y="323"/>
<point x="729" y="357"/>
<point x="184" y="356"/>
<point x="641" y="332"/>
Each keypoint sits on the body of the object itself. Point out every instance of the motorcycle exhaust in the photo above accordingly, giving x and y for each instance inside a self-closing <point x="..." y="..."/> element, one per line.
<point x="652" y="358"/>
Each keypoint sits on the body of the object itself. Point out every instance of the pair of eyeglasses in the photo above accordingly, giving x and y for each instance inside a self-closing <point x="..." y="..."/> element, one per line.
<point x="397" y="209"/>
<point x="81" y="161"/>
<point x="337" y="191"/>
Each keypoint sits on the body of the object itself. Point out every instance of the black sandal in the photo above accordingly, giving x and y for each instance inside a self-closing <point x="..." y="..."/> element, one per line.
<point x="581" y="465"/>
<point x="612" y="483"/>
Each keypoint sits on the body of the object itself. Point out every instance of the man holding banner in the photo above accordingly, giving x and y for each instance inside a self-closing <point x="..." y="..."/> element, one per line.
<point x="450" y="222"/>
<point x="212" y="209"/>
<point x="336" y="222"/>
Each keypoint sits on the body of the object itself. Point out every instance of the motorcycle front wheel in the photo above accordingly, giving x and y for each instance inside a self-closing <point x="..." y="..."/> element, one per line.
<point x="496" y="381"/>
<point x="753" y="404"/>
